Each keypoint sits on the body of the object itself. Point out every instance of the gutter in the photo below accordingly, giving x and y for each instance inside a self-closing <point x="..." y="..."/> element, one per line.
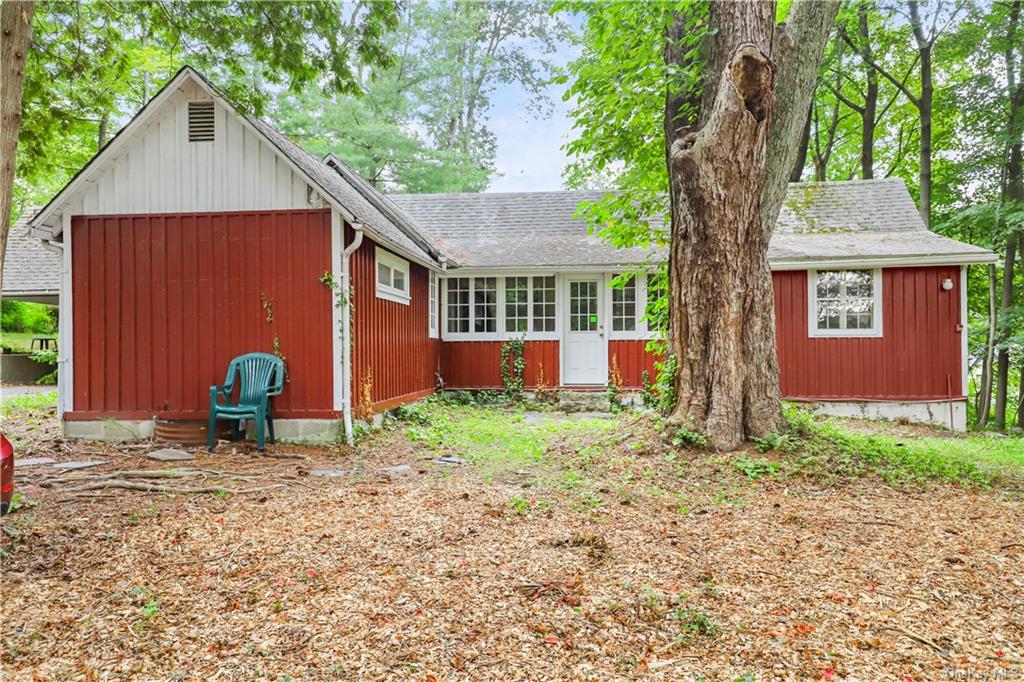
<point x="346" y="331"/>
<point x="62" y="359"/>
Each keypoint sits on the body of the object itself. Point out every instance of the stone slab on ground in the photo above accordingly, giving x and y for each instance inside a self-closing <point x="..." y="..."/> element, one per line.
<point x="74" y="466"/>
<point x="450" y="460"/>
<point x="20" y="462"/>
<point x="328" y="473"/>
<point x="170" y="455"/>
<point x="397" y="470"/>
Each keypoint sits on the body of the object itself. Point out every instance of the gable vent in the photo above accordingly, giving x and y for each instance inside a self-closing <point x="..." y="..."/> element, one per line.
<point x="200" y="121"/>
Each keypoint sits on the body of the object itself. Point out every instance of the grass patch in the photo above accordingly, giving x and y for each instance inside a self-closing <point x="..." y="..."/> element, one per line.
<point x="21" y="342"/>
<point x="496" y="436"/>
<point x="822" y="447"/>
<point x="28" y="403"/>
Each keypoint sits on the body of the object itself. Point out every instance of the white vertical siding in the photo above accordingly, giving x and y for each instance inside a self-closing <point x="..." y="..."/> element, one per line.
<point x="157" y="170"/>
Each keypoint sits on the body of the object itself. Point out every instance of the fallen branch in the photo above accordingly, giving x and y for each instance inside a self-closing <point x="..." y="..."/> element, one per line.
<point x="1011" y="545"/>
<point x="921" y="639"/>
<point x="282" y="455"/>
<point x="154" y="488"/>
<point x="871" y="522"/>
<point x="225" y="555"/>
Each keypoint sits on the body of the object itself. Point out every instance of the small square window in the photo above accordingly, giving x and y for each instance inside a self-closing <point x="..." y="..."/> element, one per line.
<point x="392" y="277"/>
<point x="845" y="303"/>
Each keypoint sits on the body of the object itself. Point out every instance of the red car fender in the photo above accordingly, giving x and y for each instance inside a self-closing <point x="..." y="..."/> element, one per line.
<point x="6" y="473"/>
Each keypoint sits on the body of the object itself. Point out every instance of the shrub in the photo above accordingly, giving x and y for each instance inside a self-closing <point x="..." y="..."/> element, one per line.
<point x="20" y="316"/>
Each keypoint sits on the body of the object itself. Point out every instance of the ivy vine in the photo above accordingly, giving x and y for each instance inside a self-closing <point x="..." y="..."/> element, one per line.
<point x="512" y="367"/>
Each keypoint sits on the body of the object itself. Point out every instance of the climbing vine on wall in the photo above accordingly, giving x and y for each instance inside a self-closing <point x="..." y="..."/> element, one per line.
<point x="512" y="366"/>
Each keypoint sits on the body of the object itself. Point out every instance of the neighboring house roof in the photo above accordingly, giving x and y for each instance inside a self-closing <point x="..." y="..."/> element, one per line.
<point x="31" y="271"/>
<point x="358" y="201"/>
<point x="864" y="221"/>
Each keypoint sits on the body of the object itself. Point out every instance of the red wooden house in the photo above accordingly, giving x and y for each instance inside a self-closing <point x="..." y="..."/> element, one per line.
<point x="199" y="233"/>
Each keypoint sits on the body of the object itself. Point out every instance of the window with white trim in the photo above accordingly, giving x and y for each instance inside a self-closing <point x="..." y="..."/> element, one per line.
<point x="517" y="304"/>
<point x="458" y="305"/>
<point x="624" y="306"/>
<point x="544" y="303"/>
<point x="656" y="307"/>
<point x="392" y="277"/>
<point x="432" y="298"/>
<point x="485" y="305"/>
<point x="845" y="303"/>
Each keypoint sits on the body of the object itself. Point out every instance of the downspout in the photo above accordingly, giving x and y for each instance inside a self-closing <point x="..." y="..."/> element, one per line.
<point x="346" y="332"/>
<point x="62" y="361"/>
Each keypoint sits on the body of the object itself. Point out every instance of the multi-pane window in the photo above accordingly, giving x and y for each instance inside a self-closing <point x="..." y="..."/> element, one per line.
<point x="656" y="309"/>
<point x="432" y="315"/>
<point x="624" y="306"/>
<point x="517" y="304"/>
<point x="544" y="304"/>
<point x="458" y="305"/>
<point x="844" y="300"/>
<point x="485" y="304"/>
<point x="583" y="306"/>
<point x="392" y="277"/>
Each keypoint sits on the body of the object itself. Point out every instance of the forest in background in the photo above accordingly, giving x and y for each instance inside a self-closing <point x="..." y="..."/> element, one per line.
<point x="932" y="93"/>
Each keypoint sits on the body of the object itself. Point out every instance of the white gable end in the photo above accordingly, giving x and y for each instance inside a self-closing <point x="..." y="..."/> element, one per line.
<point x="152" y="167"/>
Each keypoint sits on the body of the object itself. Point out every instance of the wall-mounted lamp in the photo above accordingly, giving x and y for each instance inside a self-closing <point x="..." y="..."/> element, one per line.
<point x="947" y="284"/>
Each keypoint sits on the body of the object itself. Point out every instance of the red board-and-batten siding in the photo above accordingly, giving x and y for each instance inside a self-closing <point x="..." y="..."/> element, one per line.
<point x="390" y="338"/>
<point x="918" y="356"/>
<point x="161" y="303"/>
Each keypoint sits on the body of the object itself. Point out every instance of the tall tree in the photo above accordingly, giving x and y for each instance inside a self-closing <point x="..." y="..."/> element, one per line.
<point x="758" y="83"/>
<point x="420" y="123"/>
<point x="15" y="38"/>
<point x="1012" y="200"/>
<point x="250" y="48"/>
<point x="925" y="30"/>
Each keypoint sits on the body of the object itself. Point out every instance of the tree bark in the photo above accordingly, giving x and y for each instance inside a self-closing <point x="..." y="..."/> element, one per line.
<point x="15" y="40"/>
<point x="801" y="154"/>
<point x="729" y="179"/>
<point x="869" y="111"/>
<point x="1013" y="197"/>
<point x="924" y="107"/>
<point x="983" y="405"/>
<point x="1003" y="353"/>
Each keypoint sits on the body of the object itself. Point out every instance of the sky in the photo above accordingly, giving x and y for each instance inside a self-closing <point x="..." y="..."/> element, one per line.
<point x="529" y="155"/>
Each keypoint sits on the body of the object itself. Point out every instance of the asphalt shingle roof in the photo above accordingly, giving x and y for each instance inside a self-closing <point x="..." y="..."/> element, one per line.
<point x="29" y="269"/>
<point x="820" y="221"/>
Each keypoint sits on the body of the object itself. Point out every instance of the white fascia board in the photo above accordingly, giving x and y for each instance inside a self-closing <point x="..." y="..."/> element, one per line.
<point x="883" y="261"/>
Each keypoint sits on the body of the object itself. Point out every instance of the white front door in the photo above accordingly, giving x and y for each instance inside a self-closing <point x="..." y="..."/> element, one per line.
<point x="585" y="353"/>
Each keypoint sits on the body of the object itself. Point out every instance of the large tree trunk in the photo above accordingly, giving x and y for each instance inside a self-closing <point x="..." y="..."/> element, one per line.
<point x="728" y="179"/>
<point x="15" y="38"/>
<point x="1003" y="353"/>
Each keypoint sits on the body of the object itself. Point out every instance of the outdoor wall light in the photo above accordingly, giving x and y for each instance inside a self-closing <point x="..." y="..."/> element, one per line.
<point x="947" y="284"/>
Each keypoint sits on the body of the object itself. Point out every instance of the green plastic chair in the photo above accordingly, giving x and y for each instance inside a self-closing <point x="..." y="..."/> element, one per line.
<point x="261" y="377"/>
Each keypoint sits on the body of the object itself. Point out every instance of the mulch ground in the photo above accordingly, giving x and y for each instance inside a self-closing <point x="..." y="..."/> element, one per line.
<point x="433" y="575"/>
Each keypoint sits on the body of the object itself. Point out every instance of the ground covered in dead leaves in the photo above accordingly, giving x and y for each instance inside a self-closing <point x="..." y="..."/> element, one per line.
<point x="594" y="551"/>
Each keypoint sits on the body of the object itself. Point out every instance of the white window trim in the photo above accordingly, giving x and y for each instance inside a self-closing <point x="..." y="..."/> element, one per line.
<point x="640" y="332"/>
<point x="812" y="308"/>
<point x="500" y="334"/>
<point x="433" y="294"/>
<point x="395" y="263"/>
